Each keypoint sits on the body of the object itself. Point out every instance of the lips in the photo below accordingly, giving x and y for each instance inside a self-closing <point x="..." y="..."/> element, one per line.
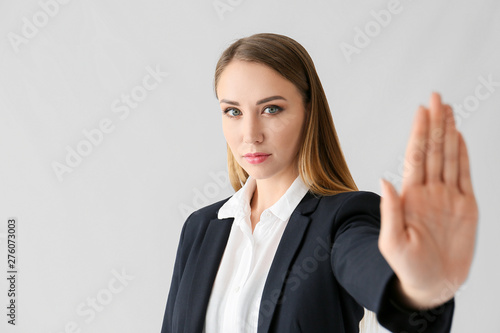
<point x="256" y="158"/>
<point x="255" y="154"/>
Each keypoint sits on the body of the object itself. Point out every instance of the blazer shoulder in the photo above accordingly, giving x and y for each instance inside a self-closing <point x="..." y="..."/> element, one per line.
<point x="339" y="206"/>
<point x="201" y="217"/>
<point x="210" y="210"/>
<point x="352" y="198"/>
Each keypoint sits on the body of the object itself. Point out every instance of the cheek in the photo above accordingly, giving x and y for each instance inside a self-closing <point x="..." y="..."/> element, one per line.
<point x="292" y="139"/>
<point x="230" y="134"/>
<point x="282" y="125"/>
<point x="286" y="141"/>
<point x="287" y="132"/>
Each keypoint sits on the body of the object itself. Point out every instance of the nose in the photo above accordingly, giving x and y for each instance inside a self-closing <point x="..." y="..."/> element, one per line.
<point x="252" y="130"/>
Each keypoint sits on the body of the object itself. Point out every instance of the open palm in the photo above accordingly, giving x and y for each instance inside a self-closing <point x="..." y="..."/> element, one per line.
<point x="428" y="231"/>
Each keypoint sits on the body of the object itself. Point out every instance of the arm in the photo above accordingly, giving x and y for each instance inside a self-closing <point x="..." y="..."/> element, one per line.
<point x="180" y="260"/>
<point x="427" y="234"/>
<point x="361" y="269"/>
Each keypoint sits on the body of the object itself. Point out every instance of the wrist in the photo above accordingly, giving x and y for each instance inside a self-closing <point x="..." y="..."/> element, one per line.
<point x="421" y="299"/>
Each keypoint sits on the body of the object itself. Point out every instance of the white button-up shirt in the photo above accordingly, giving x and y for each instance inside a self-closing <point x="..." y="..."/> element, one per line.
<point x="235" y="298"/>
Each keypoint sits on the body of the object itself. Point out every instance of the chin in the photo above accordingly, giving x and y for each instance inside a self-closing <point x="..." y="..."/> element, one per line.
<point x="260" y="174"/>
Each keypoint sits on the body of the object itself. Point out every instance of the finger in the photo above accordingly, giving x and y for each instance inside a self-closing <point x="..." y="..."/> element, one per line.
<point x="464" y="178"/>
<point x="435" y="139"/>
<point x="392" y="229"/>
<point x="414" y="164"/>
<point x="451" y="146"/>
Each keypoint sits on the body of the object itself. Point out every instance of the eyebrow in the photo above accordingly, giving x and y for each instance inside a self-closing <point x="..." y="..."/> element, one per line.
<point x="265" y="100"/>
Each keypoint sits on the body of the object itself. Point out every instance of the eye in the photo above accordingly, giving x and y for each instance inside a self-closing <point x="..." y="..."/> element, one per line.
<point x="273" y="109"/>
<point x="232" y="112"/>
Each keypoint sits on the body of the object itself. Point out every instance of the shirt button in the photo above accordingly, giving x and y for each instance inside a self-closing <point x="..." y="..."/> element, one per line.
<point x="268" y="214"/>
<point x="237" y="289"/>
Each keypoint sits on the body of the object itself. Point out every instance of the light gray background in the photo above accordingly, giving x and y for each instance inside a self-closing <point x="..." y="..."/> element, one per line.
<point x="122" y="208"/>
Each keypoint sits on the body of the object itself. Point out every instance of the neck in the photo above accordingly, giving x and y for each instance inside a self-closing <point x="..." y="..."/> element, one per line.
<point x="269" y="191"/>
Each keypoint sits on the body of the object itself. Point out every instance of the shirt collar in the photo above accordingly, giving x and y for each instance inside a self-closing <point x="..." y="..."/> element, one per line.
<point x="239" y="204"/>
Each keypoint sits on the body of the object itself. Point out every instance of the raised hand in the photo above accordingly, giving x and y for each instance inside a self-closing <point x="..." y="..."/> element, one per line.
<point x="428" y="231"/>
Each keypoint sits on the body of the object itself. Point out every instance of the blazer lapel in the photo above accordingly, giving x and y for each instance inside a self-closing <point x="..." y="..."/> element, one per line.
<point x="288" y="246"/>
<point x="207" y="265"/>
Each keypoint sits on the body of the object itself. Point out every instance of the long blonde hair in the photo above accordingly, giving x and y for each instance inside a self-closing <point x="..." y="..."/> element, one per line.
<point x="321" y="163"/>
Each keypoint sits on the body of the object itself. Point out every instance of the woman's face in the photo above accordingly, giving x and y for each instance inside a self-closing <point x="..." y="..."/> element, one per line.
<point x="262" y="113"/>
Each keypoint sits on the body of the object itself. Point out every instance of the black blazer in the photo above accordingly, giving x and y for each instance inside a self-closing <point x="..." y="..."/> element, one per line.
<point x="327" y="267"/>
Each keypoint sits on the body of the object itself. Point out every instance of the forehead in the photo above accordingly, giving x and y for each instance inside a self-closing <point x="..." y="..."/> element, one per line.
<point x="253" y="80"/>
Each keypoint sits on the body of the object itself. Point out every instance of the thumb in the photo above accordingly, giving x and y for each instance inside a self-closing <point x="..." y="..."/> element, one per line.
<point x="392" y="227"/>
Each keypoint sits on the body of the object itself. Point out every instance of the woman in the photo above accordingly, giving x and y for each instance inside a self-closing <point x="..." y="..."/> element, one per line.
<point x="298" y="248"/>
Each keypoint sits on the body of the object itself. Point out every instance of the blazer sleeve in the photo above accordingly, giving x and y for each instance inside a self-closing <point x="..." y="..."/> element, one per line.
<point x="363" y="272"/>
<point x="179" y="265"/>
